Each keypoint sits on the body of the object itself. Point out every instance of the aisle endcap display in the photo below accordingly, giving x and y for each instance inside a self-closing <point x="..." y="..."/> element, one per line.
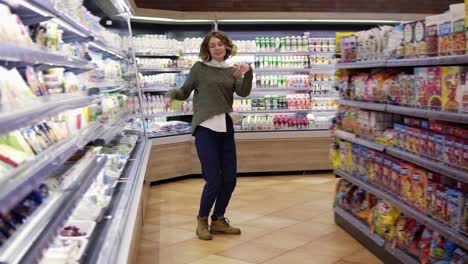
<point x="29" y="175"/>
<point x="430" y="61"/>
<point x="46" y="106"/>
<point x="458" y="238"/>
<point x="410" y="111"/>
<point x="354" y="139"/>
<point x="124" y="214"/>
<point x="36" y="236"/>
<point x="377" y="240"/>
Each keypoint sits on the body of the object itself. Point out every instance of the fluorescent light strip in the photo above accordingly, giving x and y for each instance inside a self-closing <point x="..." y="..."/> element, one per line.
<point x="160" y="19"/>
<point x="356" y="21"/>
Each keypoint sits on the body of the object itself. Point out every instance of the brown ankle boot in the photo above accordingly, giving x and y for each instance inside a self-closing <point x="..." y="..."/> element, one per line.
<point x="202" y="228"/>
<point x="222" y="226"/>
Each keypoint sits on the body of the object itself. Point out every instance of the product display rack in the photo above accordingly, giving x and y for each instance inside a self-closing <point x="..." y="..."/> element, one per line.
<point x="350" y="222"/>
<point x="156" y="55"/>
<point x="295" y="70"/>
<point x="279" y="111"/>
<point x="425" y="162"/>
<point x="429" y="61"/>
<point x="27" y="244"/>
<point x="409" y="111"/>
<point x="422" y="218"/>
<point x="161" y="70"/>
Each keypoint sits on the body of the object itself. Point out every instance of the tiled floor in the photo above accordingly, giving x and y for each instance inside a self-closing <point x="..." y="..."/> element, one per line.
<point x="284" y="220"/>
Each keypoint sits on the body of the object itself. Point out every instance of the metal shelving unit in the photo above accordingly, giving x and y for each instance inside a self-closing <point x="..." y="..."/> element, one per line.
<point x="354" y="139"/>
<point x="295" y="70"/>
<point x="422" y="218"/>
<point x="375" y="243"/>
<point x="157" y="89"/>
<point x="44" y="107"/>
<point x="32" y="238"/>
<point x="109" y="131"/>
<point x="156" y="55"/>
<point x="161" y="70"/>
<point x="429" y="61"/>
<point x="279" y="111"/>
<point x="279" y="53"/>
<point x="363" y="105"/>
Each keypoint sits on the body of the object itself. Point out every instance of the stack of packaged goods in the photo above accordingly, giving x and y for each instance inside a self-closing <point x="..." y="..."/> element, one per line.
<point x="156" y="44"/>
<point x="296" y="101"/>
<point x="270" y="122"/>
<point x="154" y="105"/>
<point x="400" y="230"/>
<point x="438" y="35"/>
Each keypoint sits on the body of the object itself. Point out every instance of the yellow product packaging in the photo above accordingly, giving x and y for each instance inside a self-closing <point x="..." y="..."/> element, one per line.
<point x="451" y="88"/>
<point x="339" y="36"/>
<point x="384" y="217"/>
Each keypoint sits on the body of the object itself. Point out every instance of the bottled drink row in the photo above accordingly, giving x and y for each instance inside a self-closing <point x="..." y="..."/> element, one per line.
<point x="153" y="104"/>
<point x="297" y="101"/>
<point x="302" y="43"/>
<point x="283" y="122"/>
<point x="287" y="62"/>
<point x="292" y="80"/>
<point x="163" y="80"/>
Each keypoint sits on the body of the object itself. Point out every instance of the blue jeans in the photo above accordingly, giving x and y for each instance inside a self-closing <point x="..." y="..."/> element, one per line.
<point x="217" y="154"/>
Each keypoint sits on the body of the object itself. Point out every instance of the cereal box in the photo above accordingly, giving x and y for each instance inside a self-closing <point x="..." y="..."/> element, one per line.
<point x="406" y="170"/>
<point x="423" y="141"/>
<point x="459" y="34"/>
<point x="454" y="207"/>
<point x="421" y="80"/>
<point x="464" y="226"/>
<point x="418" y="188"/>
<point x="387" y="173"/>
<point x="451" y="88"/>
<point x="408" y="40"/>
<point x="379" y="168"/>
<point x="463" y="95"/>
<point x="433" y="90"/>
<point x="432" y="40"/>
<point x="449" y="150"/>
<point x="445" y="34"/>
<point x="399" y="134"/>
<point x="420" y="38"/>
<point x="395" y="177"/>
<point x="439" y="146"/>
<point x="356" y="152"/>
<point x="432" y="181"/>
<point x="441" y="202"/>
<point x="431" y="144"/>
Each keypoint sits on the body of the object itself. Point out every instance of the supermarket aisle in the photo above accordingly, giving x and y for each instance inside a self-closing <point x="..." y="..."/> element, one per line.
<point x="284" y="219"/>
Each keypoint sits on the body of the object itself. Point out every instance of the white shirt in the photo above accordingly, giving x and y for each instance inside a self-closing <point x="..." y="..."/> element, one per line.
<point x="218" y="122"/>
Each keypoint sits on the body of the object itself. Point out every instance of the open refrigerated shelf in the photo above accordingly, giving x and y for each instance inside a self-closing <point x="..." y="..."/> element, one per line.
<point x="36" y="56"/>
<point x="355" y="139"/>
<point x="372" y="241"/>
<point x="100" y="45"/>
<point x="157" y="89"/>
<point x="109" y="131"/>
<point x="279" y="111"/>
<point x="29" y="242"/>
<point x="283" y="89"/>
<point x="273" y="53"/>
<point x="421" y="217"/>
<point x="429" y="164"/>
<point x="44" y="107"/>
<point x="121" y="208"/>
<point x="27" y="177"/>
<point x="295" y="70"/>
<point x="156" y="55"/>
<point x="161" y="70"/>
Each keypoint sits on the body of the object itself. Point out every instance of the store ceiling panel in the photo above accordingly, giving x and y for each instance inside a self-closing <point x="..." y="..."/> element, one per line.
<point x="351" y="6"/>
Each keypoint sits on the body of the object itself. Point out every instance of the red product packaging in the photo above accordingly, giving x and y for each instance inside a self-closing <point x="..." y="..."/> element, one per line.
<point x="423" y="141"/>
<point x="395" y="177"/>
<point x="460" y="132"/>
<point x="449" y="150"/>
<point x="431" y="144"/>
<point x="434" y="88"/>
<point x="418" y="187"/>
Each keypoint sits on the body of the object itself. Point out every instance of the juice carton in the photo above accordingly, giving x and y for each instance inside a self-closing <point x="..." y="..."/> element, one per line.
<point x="395" y="177"/>
<point x="418" y="187"/>
<point x="451" y="88"/>
<point x="432" y="182"/>
<point x="441" y="203"/>
<point x="454" y="207"/>
<point x="406" y="170"/>
<point x="434" y="88"/>
<point x="421" y="83"/>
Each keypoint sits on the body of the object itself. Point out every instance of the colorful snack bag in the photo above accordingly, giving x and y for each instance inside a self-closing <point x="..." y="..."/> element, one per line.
<point x="432" y="35"/>
<point x="441" y="248"/>
<point x="384" y="217"/>
<point x="445" y="34"/>
<point x="454" y="207"/>
<point x="400" y="232"/>
<point x="406" y="171"/>
<point x="451" y="88"/>
<point x="342" y="188"/>
<point x="424" y="245"/>
<point x="418" y="188"/>
<point x="364" y="210"/>
<point x="459" y="257"/>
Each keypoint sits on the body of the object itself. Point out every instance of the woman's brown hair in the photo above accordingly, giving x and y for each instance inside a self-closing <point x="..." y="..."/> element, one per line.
<point x="231" y="49"/>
